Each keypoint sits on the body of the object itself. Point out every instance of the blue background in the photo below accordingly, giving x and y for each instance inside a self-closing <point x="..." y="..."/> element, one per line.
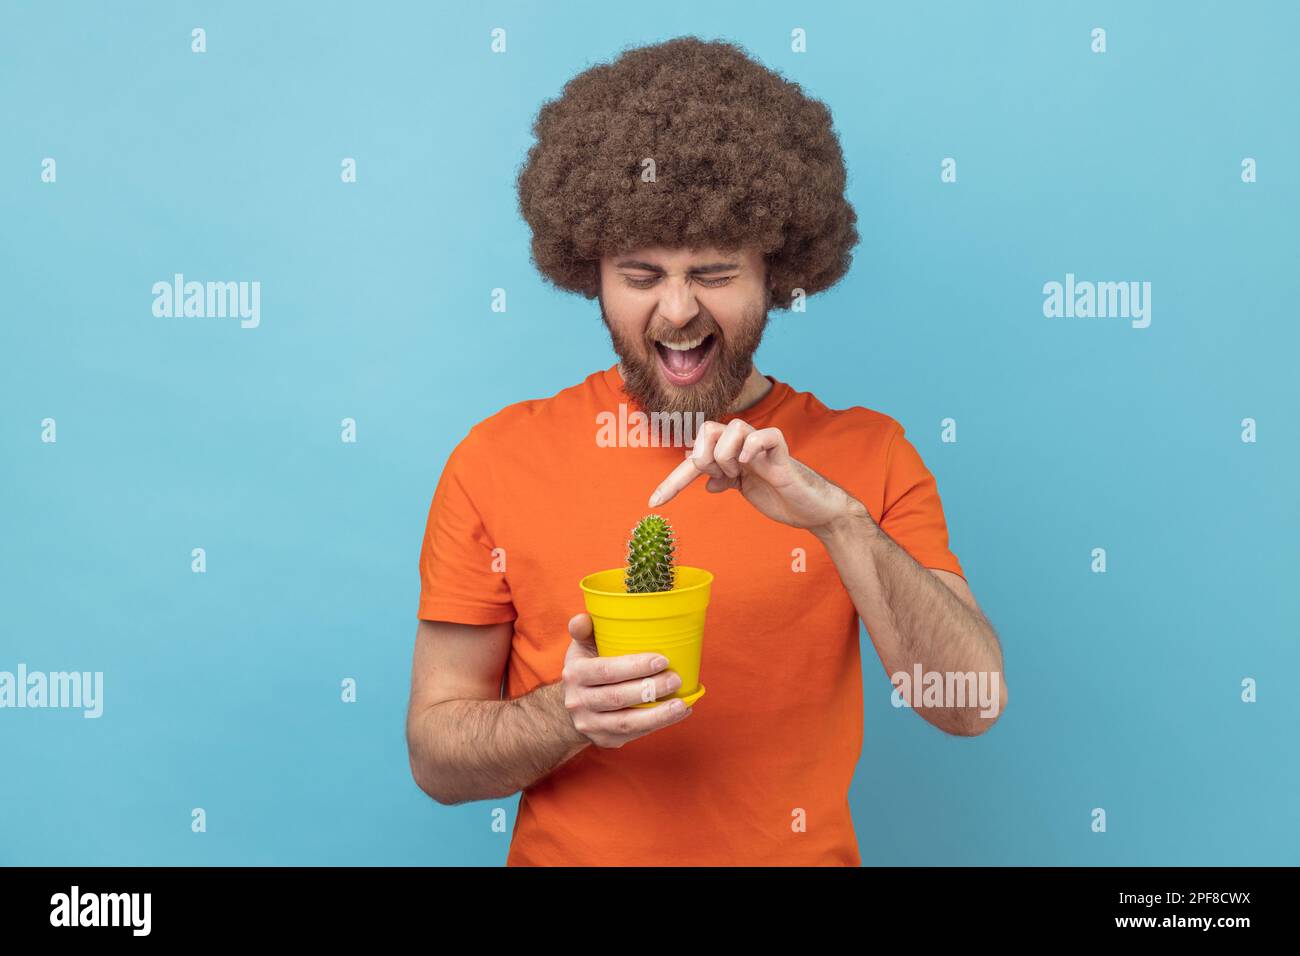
<point x="222" y="689"/>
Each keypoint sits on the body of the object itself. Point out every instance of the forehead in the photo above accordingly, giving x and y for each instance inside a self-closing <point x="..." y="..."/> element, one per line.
<point x="681" y="258"/>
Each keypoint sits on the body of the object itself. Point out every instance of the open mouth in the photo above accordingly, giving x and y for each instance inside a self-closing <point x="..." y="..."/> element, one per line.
<point x="686" y="366"/>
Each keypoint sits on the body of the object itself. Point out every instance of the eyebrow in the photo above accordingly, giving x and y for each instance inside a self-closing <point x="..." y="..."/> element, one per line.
<point x="651" y="267"/>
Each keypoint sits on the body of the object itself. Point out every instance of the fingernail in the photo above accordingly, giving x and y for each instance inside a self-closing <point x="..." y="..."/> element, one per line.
<point x="654" y="500"/>
<point x="660" y="663"/>
<point x="677" y="706"/>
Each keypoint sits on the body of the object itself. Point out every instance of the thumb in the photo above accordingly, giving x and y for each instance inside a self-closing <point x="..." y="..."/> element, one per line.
<point x="721" y="484"/>
<point x="583" y="633"/>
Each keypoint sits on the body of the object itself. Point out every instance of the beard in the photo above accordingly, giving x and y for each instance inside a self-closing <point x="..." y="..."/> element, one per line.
<point x="713" y="395"/>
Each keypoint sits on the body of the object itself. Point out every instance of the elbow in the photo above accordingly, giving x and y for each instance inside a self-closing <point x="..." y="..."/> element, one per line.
<point x="429" y="783"/>
<point x="976" y="721"/>
<point x="422" y="778"/>
<point x="437" y="781"/>
<point x="422" y="771"/>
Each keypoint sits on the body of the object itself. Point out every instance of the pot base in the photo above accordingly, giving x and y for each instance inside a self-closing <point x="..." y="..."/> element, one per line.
<point x="687" y="700"/>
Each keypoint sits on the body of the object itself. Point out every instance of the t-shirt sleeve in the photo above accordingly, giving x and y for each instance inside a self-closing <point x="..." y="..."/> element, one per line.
<point x="913" y="514"/>
<point x="459" y="581"/>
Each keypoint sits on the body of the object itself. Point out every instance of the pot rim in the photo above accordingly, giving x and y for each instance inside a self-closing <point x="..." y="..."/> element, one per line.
<point x="647" y="594"/>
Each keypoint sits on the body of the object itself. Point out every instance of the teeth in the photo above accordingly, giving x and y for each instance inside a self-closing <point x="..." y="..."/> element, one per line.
<point x="684" y="346"/>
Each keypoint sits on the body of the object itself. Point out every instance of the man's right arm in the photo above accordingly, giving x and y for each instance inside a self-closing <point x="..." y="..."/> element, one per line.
<point x="465" y="742"/>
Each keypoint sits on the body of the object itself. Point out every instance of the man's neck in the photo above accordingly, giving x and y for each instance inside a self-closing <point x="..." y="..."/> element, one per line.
<point x="755" y="387"/>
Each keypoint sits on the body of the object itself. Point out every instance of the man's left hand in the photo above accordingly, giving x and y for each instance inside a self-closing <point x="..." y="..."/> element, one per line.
<point x="758" y="462"/>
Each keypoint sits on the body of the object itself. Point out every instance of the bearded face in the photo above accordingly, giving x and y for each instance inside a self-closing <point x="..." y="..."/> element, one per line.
<point x="685" y="325"/>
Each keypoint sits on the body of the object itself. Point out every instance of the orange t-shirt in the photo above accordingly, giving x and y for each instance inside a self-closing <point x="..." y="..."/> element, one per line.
<point x="759" y="774"/>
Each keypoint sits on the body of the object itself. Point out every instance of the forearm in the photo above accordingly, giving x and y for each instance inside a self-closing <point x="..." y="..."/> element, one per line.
<point x="913" y="618"/>
<point x="464" y="750"/>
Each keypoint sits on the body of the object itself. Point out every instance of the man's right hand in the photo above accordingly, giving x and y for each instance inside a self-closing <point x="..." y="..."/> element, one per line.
<point x="599" y="692"/>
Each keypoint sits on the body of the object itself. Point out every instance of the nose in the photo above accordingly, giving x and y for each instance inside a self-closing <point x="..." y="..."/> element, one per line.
<point x="677" y="303"/>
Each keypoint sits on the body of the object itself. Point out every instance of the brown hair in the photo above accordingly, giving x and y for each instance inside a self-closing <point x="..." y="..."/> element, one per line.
<point x="742" y="157"/>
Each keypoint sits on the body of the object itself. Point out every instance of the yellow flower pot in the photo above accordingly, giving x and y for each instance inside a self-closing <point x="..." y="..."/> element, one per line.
<point x="670" y="623"/>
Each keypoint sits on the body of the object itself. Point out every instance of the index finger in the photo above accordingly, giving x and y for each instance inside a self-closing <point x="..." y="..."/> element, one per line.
<point x="677" y="479"/>
<point x="620" y="667"/>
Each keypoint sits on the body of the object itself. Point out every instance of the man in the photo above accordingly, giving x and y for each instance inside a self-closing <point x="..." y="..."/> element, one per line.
<point x="817" y="517"/>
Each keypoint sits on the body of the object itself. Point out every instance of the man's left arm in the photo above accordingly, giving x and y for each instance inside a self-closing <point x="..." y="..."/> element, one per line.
<point x="921" y="621"/>
<point x="917" y="616"/>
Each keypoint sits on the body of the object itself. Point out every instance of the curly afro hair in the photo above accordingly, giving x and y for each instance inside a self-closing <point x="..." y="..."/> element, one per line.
<point x="741" y="156"/>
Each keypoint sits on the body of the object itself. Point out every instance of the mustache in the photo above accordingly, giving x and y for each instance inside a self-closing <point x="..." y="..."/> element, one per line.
<point x="702" y="333"/>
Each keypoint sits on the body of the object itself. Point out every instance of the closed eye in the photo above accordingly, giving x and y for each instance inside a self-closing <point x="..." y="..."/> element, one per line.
<point x="638" y="283"/>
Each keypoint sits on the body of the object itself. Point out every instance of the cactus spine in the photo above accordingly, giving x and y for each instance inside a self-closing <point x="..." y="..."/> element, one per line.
<point x="650" y="556"/>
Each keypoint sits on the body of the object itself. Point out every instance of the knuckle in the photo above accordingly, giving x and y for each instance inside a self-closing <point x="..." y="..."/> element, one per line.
<point x="648" y="689"/>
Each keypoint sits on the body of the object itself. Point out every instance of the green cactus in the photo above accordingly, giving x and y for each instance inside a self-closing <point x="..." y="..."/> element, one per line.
<point x="650" y="556"/>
